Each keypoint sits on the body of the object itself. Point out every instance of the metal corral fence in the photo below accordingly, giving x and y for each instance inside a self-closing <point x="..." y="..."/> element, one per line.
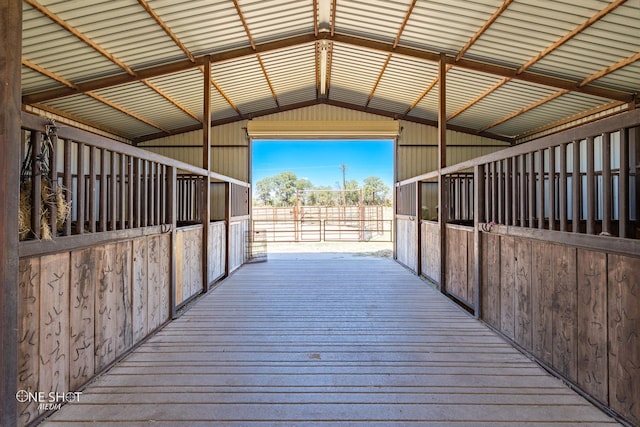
<point x="324" y="223"/>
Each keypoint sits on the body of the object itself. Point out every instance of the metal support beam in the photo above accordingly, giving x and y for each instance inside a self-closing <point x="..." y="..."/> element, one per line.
<point x="206" y="164"/>
<point x="442" y="163"/>
<point x="10" y="53"/>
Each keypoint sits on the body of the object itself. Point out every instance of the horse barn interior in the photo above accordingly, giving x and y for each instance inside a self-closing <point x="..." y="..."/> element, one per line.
<point x="513" y="296"/>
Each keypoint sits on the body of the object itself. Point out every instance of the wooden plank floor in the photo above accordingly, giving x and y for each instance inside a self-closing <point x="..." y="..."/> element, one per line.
<point x="344" y="341"/>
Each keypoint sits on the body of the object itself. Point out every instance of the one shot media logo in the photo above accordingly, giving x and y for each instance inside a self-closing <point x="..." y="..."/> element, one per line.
<point x="48" y="401"/>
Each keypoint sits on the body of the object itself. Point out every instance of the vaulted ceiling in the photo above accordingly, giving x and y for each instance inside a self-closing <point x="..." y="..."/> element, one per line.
<point x="135" y="68"/>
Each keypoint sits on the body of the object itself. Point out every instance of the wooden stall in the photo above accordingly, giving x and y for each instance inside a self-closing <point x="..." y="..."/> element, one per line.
<point x="112" y="247"/>
<point x="543" y="244"/>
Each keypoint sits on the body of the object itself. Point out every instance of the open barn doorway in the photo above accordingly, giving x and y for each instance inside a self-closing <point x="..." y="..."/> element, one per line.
<point x="323" y="196"/>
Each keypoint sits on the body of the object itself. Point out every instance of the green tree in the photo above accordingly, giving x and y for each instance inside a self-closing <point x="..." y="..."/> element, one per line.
<point x="280" y="190"/>
<point x="375" y="192"/>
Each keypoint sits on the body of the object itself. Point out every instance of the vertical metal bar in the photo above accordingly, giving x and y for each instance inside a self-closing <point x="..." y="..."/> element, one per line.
<point x="606" y="183"/>
<point x="514" y="191"/>
<point x="494" y="192"/>
<point x="80" y="199"/>
<point x="591" y="188"/>
<point x="52" y="203"/>
<point x="151" y="202"/>
<point x="487" y="192"/>
<point x="131" y="191"/>
<point x="123" y="192"/>
<point x="500" y="190"/>
<point x="540" y="190"/>
<point x="552" y="188"/>
<point x="137" y="193"/>
<point x="576" y="188"/>
<point x="563" y="187"/>
<point x="36" y="183"/>
<point x="160" y="192"/>
<point x="623" y="186"/>
<point x="91" y="196"/>
<point x="508" y="196"/>
<point x="418" y="209"/>
<point x="103" y="190"/>
<point x="532" y="189"/>
<point x="113" y="192"/>
<point x="523" y="190"/>
<point x="144" y="190"/>
<point x="68" y="184"/>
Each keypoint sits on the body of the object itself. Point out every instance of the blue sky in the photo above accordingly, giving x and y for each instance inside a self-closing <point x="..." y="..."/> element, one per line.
<point x="319" y="161"/>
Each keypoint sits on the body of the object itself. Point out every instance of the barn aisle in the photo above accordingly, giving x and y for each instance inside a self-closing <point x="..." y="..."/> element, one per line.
<point x="327" y="341"/>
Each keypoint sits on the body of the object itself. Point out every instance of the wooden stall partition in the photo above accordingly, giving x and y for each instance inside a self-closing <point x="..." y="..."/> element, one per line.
<point x="238" y="230"/>
<point x="217" y="253"/>
<point x="406" y="242"/>
<point x="460" y="264"/>
<point x="430" y="252"/>
<point x="80" y="310"/>
<point x="623" y="278"/>
<point x="188" y="263"/>
<point x="573" y="308"/>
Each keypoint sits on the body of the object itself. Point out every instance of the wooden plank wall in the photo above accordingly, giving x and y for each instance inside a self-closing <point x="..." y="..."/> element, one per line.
<point x="188" y="263"/>
<point x="576" y="310"/>
<point x="237" y="242"/>
<point x="217" y="242"/>
<point x="430" y="251"/>
<point x="460" y="263"/>
<point x="406" y="241"/>
<point x="78" y="311"/>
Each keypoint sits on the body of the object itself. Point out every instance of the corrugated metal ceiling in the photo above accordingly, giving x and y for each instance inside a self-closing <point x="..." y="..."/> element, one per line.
<point x="138" y="61"/>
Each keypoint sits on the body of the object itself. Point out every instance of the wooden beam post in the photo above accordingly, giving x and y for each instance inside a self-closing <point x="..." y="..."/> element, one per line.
<point x="442" y="163"/>
<point x="10" y="60"/>
<point x="206" y="164"/>
<point x="418" y="228"/>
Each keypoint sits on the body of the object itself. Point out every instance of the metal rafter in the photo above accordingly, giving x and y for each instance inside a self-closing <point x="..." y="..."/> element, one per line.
<point x="253" y="46"/>
<point x="558" y="94"/>
<point x="464" y="49"/>
<point x="316" y="26"/>
<point x="483" y="29"/>
<point x="66" y="82"/>
<point x="166" y="29"/>
<point x="333" y="17"/>
<point x="179" y="66"/>
<point x="125" y="111"/>
<point x="64" y="24"/>
<point x="525" y="109"/>
<point x="395" y="44"/>
<point x="222" y="93"/>
<point x="55" y="18"/>
<point x="480" y="97"/>
<point x="580" y="28"/>
<point x="170" y="99"/>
